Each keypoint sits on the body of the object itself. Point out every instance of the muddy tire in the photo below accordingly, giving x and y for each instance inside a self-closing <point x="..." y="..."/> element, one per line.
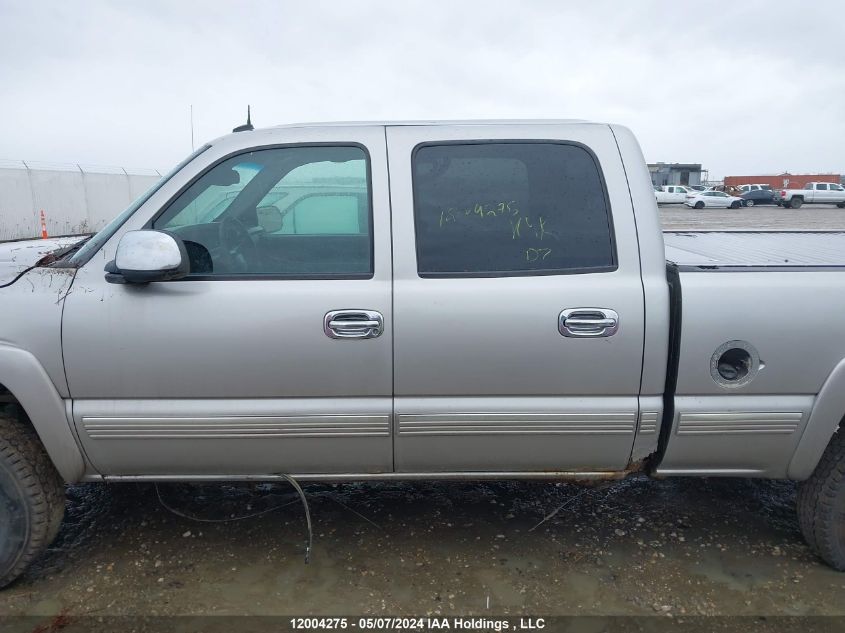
<point x="32" y="499"/>
<point x="821" y="505"/>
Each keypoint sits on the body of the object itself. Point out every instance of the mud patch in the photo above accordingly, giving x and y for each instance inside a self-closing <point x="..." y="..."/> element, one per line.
<point x="637" y="546"/>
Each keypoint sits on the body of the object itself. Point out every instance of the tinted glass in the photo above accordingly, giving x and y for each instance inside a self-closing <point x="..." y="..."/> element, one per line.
<point x="821" y="187"/>
<point x="496" y="209"/>
<point x="294" y="211"/>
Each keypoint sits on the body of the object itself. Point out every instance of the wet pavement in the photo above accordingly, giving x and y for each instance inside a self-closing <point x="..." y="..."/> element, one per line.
<point x="637" y="546"/>
<point x="822" y="217"/>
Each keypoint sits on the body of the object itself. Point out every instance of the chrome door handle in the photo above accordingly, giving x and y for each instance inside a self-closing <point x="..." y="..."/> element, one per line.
<point x="588" y="322"/>
<point x="353" y="324"/>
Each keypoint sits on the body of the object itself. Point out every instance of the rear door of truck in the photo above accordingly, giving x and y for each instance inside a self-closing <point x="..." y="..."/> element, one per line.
<point x="518" y="302"/>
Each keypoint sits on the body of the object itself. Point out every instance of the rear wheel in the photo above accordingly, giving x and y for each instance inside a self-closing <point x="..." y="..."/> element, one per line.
<point x="699" y="205"/>
<point x="841" y="205"/>
<point x="32" y="499"/>
<point x="821" y="505"/>
<point x="796" y="203"/>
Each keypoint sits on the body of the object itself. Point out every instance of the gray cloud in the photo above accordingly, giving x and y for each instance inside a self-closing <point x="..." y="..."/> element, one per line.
<point x="729" y="84"/>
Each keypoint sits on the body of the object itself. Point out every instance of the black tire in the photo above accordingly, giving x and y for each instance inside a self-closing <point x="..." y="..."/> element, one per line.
<point x="32" y="499"/>
<point x="796" y="203"/>
<point x="841" y="205"/>
<point x="699" y="205"/>
<point x="735" y="205"/>
<point x="821" y="505"/>
<point x="749" y="203"/>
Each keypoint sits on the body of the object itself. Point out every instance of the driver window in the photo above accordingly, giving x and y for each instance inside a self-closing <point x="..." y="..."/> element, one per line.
<point x="298" y="212"/>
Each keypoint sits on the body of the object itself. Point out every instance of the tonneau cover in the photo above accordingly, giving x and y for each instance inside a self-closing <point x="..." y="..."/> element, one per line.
<point x="732" y="249"/>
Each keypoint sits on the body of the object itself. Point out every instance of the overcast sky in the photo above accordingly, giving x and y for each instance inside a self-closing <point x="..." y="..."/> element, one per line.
<point x="743" y="87"/>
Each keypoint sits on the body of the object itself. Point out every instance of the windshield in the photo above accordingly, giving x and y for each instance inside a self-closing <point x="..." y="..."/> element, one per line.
<point x="93" y="244"/>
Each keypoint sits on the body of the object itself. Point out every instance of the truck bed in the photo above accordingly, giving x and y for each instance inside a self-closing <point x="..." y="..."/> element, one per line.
<point x="708" y="250"/>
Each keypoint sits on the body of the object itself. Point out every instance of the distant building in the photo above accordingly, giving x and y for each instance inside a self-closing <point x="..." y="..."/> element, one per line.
<point x="676" y="174"/>
<point x="781" y="181"/>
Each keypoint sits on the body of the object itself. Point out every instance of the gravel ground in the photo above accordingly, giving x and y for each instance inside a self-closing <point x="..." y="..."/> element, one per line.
<point x="638" y="547"/>
<point x="680" y="547"/>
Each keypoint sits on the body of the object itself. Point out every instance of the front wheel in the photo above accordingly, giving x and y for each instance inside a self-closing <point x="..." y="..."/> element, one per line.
<point x="841" y="205"/>
<point x="32" y="499"/>
<point x="699" y="205"/>
<point x="821" y="505"/>
<point x="749" y="203"/>
<point x="734" y="205"/>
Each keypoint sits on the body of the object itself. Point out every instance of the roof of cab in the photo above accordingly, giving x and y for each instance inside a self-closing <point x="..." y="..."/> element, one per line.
<point x="431" y="122"/>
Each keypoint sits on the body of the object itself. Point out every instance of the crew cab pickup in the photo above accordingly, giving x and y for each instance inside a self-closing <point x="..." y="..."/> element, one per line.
<point x="417" y="301"/>
<point x="671" y="194"/>
<point x="814" y="193"/>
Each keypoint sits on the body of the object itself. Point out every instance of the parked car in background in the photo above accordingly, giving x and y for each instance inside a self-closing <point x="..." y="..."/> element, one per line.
<point x="698" y="187"/>
<point x="754" y="187"/>
<point x="814" y="193"/>
<point x="758" y="197"/>
<point x="717" y="199"/>
<point x="668" y="194"/>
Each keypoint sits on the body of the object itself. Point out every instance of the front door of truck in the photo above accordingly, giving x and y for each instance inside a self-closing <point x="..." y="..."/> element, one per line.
<point x="518" y="304"/>
<point x="274" y="355"/>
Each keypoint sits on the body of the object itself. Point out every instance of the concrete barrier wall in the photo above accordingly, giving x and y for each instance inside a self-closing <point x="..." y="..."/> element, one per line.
<point x="74" y="199"/>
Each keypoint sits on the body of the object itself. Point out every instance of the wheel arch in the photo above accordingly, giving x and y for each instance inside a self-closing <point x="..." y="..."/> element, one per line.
<point x="26" y="383"/>
<point x="826" y="417"/>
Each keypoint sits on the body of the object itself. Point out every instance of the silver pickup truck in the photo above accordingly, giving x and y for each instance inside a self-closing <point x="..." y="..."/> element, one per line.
<point x="417" y="301"/>
<point x="814" y="193"/>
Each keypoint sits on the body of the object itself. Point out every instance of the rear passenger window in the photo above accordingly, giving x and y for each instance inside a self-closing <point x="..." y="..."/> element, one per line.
<point x="500" y="209"/>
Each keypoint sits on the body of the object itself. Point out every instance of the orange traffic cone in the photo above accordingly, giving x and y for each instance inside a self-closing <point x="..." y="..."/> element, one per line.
<point x="43" y="225"/>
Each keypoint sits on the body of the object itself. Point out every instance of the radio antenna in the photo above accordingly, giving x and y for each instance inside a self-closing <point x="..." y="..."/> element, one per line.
<point x="247" y="127"/>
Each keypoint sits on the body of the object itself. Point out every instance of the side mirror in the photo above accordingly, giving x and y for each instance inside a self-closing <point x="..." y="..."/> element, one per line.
<point x="145" y="256"/>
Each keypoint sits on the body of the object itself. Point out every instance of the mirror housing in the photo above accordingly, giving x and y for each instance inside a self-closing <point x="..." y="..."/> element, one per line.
<point x="145" y="256"/>
<point x="270" y="219"/>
